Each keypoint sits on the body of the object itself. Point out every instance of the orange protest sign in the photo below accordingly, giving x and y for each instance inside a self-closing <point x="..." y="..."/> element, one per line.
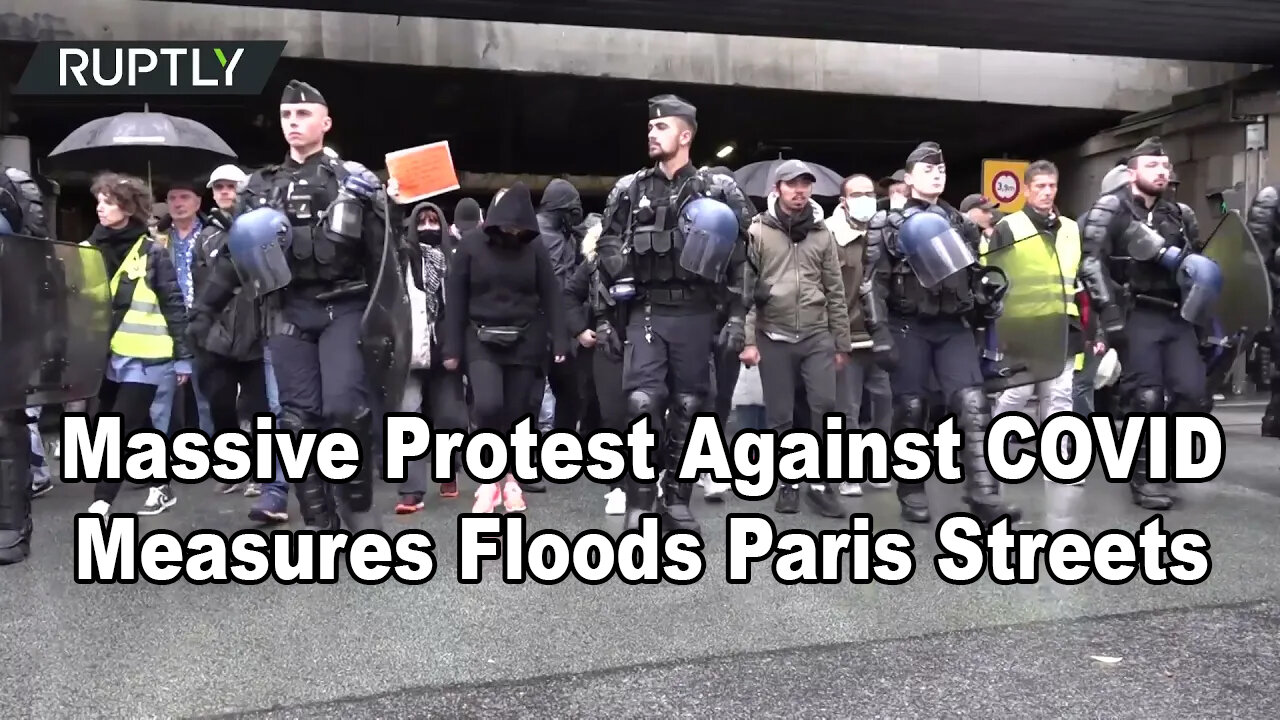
<point x="422" y="172"/>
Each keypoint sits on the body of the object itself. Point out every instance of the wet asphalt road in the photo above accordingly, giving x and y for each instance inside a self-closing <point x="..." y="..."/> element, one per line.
<point x="443" y="649"/>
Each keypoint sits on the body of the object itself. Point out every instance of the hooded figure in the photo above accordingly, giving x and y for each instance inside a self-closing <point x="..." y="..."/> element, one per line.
<point x="504" y="304"/>
<point x="466" y="216"/>
<point x="427" y="247"/>
<point x="559" y="217"/>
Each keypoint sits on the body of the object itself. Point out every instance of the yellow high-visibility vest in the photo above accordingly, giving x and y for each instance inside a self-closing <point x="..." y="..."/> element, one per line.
<point x="1066" y="247"/>
<point x="143" y="332"/>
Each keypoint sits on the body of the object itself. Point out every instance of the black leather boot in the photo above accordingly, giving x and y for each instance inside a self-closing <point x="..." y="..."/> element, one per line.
<point x="1146" y="494"/>
<point x="982" y="491"/>
<point x="15" y="491"/>
<point x="674" y="505"/>
<point x="909" y="413"/>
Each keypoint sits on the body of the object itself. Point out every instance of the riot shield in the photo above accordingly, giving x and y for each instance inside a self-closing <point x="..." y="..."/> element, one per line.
<point x="386" y="330"/>
<point x="1244" y="307"/>
<point x="1030" y="337"/>
<point x="55" y="321"/>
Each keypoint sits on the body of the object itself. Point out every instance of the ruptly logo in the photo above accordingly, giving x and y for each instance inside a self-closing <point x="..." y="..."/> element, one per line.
<point x="150" y="68"/>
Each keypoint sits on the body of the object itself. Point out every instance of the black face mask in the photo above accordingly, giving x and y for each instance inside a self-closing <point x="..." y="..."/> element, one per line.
<point x="429" y="237"/>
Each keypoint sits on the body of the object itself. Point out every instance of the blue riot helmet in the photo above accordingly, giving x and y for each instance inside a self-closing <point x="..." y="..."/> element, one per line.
<point x="257" y="242"/>
<point x="934" y="250"/>
<point x="710" y="229"/>
<point x="1199" y="280"/>
<point x="5" y="227"/>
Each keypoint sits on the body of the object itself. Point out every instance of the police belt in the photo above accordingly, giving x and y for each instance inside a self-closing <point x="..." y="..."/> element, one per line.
<point x="675" y="295"/>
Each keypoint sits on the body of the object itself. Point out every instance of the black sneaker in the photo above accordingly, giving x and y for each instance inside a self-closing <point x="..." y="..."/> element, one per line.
<point x="41" y="487"/>
<point x="824" y="501"/>
<point x="788" y="499"/>
<point x="159" y="499"/>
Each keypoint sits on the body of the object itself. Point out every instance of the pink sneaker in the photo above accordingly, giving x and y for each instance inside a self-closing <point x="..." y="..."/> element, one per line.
<point x="487" y="498"/>
<point x="513" y="496"/>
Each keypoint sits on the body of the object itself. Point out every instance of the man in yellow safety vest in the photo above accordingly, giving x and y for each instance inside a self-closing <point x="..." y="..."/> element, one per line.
<point x="1039" y="217"/>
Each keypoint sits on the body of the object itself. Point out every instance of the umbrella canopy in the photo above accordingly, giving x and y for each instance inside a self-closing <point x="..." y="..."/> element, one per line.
<point x="756" y="179"/>
<point x="146" y="144"/>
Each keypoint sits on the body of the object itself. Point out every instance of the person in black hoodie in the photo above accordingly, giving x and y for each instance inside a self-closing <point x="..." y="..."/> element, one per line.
<point x="504" y="304"/>
<point x="142" y="278"/>
<point x="431" y="390"/>
<point x="560" y="227"/>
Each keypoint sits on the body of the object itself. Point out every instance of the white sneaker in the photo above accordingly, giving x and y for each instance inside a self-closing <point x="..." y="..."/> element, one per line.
<point x="159" y="499"/>
<point x="615" y="502"/>
<point x="713" y="491"/>
<point x="100" y="507"/>
<point x="851" y="489"/>
<point x="883" y="485"/>
<point x="1077" y="483"/>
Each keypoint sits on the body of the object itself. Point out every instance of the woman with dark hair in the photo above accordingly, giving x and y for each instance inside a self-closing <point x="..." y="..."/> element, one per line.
<point x="504" y="303"/>
<point x="148" y="321"/>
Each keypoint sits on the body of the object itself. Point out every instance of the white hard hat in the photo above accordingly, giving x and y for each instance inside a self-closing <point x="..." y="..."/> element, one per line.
<point x="1108" y="370"/>
<point x="229" y="173"/>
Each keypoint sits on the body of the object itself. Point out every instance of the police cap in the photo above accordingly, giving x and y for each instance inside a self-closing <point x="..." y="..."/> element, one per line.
<point x="1151" y="147"/>
<point x="296" y="92"/>
<point x="661" y="106"/>
<point x="925" y="152"/>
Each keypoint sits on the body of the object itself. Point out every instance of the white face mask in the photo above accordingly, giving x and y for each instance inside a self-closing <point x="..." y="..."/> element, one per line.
<point x="897" y="202"/>
<point x="861" y="208"/>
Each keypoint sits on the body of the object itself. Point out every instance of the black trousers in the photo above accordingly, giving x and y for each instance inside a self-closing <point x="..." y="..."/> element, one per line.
<point x="133" y="402"/>
<point x="563" y="378"/>
<point x="668" y="367"/>
<point x="1163" y="351"/>
<point x="229" y="385"/>
<point x="501" y="393"/>
<point x="319" y="368"/>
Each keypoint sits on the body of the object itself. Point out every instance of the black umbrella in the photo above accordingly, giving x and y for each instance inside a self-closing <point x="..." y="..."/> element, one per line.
<point x="756" y="179"/>
<point x="141" y="143"/>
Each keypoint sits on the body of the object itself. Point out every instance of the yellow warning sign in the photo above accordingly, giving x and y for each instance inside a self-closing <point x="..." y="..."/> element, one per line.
<point x="1002" y="183"/>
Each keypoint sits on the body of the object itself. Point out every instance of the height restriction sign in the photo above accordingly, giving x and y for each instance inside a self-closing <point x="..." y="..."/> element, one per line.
<point x="1002" y="182"/>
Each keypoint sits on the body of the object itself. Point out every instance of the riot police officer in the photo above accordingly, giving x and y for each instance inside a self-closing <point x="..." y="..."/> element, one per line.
<point x="1264" y="222"/>
<point x="1138" y="248"/>
<point x="323" y="225"/>
<point x="926" y="276"/>
<point x="669" y="266"/>
<point x="21" y="213"/>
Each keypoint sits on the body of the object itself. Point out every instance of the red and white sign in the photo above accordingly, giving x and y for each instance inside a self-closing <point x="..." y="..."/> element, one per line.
<point x="1006" y="186"/>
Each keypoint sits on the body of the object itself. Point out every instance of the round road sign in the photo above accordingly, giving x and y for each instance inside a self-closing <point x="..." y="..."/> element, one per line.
<point x="1005" y="186"/>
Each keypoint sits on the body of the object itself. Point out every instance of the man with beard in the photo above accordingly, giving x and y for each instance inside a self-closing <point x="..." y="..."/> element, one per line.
<point x="670" y="267"/>
<point x="314" y="292"/>
<point x="933" y="308"/>
<point x="1125" y="236"/>
<point x="560" y="231"/>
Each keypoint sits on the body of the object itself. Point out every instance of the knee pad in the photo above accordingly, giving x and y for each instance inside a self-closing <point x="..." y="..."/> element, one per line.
<point x="1186" y="404"/>
<point x="640" y="403"/>
<point x="686" y="405"/>
<point x="908" y="412"/>
<point x="973" y="407"/>
<point x="1148" y="400"/>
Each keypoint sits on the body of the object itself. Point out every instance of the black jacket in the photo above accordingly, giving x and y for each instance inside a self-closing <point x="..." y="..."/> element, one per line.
<point x="236" y="332"/>
<point x="496" y="279"/>
<point x="558" y="214"/>
<point x="161" y="276"/>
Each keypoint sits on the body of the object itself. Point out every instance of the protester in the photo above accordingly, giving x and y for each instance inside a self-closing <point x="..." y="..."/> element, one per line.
<point x="982" y="212"/>
<point x="862" y="375"/>
<point x="431" y="390"/>
<point x="148" y="336"/>
<point x="798" y="331"/>
<point x="504" y="300"/>
<point x="559" y="223"/>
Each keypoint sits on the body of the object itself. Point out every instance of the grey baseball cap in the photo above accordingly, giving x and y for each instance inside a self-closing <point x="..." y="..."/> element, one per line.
<point x="792" y="169"/>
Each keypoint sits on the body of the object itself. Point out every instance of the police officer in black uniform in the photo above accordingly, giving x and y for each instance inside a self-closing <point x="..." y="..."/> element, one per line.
<point x="1264" y="225"/>
<point x="21" y="213"/>
<point x="672" y="328"/>
<point x="1138" y="300"/>
<point x="931" y="333"/>
<point x="313" y="324"/>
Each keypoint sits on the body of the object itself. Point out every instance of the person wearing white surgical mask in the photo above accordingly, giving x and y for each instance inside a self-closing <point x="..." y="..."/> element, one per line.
<point x="858" y="204"/>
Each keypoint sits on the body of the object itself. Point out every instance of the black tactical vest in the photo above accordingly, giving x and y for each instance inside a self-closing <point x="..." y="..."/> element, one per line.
<point x="656" y="242"/>
<point x="316" y="254"/>
<point x="1148" y="278"/>
<point x="908" y="298"/>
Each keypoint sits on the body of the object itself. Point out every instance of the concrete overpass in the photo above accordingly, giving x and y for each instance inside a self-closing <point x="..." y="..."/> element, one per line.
<point x="821" y="65"/>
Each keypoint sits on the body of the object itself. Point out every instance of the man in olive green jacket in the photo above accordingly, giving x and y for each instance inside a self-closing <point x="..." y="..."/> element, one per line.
<point x="798" y="330"/>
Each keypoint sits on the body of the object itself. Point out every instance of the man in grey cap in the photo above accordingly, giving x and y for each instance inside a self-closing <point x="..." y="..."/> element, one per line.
<point x="981" y="210"/>
<point x="668" y="299"/>
<point x="798" y="331"/>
